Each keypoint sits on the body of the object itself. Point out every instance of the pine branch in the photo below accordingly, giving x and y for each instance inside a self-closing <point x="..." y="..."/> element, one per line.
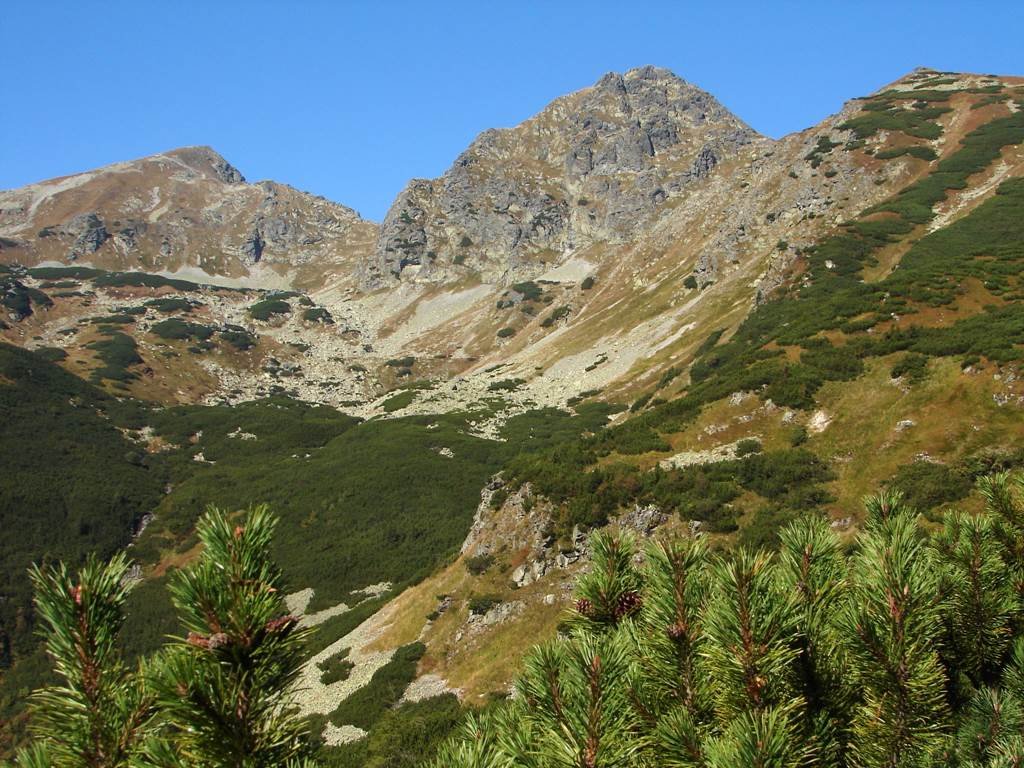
<point x="586" y="720"/>
<point x="225" y="688"/>
<point x="895" y="624"/>
<point x="813" y="569"/>
<point x="765" y="739"/>
<point x="668" y="679"/>
<point x="991" y="718"/>
<point x="980" y="604"/>
<point x="98" y="716"/>
<point x="610" y="592"/>
<point x="749" y="627"/>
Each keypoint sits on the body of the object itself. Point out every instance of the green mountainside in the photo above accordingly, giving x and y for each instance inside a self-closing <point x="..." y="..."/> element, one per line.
<point x="360" y="503"/>
<point x="435" y="491"/>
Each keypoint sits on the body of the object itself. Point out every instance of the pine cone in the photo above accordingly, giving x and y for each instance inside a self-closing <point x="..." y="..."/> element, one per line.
<point x="281" y="623"/>
<point x="676" y="632"/>
<point x="584" y="606"/>
<point x="628" y="603"/>
<point x="199" y="641"/>
<point x="218" y="640"/>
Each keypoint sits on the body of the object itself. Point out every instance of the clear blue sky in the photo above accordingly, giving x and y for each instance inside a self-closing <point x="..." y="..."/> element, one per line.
<point x="349" y="100"/>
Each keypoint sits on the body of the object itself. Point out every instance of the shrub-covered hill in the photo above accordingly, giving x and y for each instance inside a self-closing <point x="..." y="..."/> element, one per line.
<point x="955" y="292"/>
<point x="71" y="482"/>
<point x="892" y="355"/>
<point x="360" y="502"/>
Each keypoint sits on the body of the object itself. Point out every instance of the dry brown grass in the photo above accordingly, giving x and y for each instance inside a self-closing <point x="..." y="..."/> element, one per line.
<point x="954" y="416"/>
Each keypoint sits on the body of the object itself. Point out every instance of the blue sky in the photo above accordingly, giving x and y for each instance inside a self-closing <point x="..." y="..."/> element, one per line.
<point x="349" y="100"/>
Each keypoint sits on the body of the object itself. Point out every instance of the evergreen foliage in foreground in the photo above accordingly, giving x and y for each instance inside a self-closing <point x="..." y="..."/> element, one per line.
<point x="907" y="652"/>
<point x="219" y="697"/>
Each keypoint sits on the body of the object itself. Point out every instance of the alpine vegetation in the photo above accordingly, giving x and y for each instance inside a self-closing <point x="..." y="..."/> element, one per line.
<point x="903" y="649"/>
<point x="218" y="696"/>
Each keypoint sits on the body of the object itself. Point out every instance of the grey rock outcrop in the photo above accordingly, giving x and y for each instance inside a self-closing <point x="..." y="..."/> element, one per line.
<point x="643" y="519"/>
<point x="127" y="238"/>
<point x="286" y="228"/>
<point x="89" y="233"/>
<point x="226" y="172"/>
<point x="209" y="161"/>
<point x="252" y="247"/>
<point x="590" y="167"/>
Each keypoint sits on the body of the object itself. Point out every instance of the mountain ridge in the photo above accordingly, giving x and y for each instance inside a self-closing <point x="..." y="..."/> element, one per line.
<point x="805" y="320"/>
<point x="613" y="311"/>
<point x="537" y="225"/>
<point x="186" y="208"/>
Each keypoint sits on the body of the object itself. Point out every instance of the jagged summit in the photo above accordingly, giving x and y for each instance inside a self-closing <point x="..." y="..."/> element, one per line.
<point x="651" y="88"/>
<point x="589" y="167"/>
<point x="204" y="158"/>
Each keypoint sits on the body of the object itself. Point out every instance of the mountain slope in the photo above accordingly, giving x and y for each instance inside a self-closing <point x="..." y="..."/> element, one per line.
<point x="591" y="167"/>
<point x="796" y="324"/>
<point x="187" y="212"/>
<point x="892" y="355"/>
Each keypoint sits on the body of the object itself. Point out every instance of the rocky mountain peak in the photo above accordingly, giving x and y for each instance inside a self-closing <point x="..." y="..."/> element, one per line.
<point x="653" y="89"/>
<point x="590" y="167"/>
<point x="206" y="160"/>
<point x="636" y="78"/>
<point x="183" y="210"/>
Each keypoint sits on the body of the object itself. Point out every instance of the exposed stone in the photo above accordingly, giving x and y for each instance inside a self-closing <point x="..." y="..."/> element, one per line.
<point x="252" y="247"/>
<point x="89" y="232"/>
<point x="226" y="172"/>
<point x="565" y="559"/>
<point x="725" y="452"/>
<point x="737" y="398"/>
<point x="427" y="687"/>
<point x="499" y="614"/>
<point x="819" y="422"/>
<point x="643" y="519"/>
<point x="528" y="573"/>
<point x="704" y="162"/>
<point x="592" y="166"/>
<point x="127" y="238"/>
<point x="519" y="575"/>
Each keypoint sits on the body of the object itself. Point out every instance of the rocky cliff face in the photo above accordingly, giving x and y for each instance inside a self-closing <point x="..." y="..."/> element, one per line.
<point x="185" y="211"/>
<point x="593" y="166"/>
